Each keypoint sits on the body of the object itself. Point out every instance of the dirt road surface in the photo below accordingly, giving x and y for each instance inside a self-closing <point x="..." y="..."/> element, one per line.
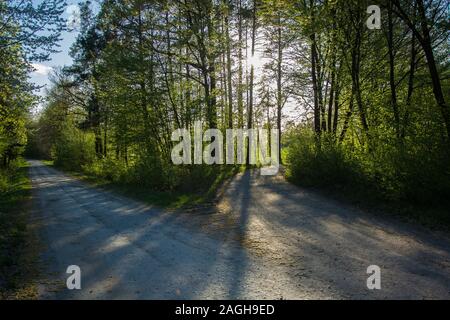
<point x="262" y="239"/>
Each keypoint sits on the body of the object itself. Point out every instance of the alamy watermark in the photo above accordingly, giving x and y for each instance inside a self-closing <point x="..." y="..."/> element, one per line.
<point x="74" y="280"/>
<point x="374" y="280"/>
<point x="374" y="20"/>
<point x="239" y="143"/>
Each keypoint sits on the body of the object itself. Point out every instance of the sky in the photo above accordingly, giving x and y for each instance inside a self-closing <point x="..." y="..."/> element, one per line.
<point x="41" y="75"/>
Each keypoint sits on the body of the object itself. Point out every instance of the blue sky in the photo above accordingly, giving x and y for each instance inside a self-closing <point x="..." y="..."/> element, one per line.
<point x="40" y="76"/>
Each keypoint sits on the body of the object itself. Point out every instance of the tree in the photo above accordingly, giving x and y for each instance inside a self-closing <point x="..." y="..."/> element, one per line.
<point x="27" y="33"/>
<point x="437" y="13"/>
<point x="36" y="28"/>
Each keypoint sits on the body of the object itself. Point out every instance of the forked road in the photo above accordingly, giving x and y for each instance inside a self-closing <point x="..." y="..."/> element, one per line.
<point x="264" y="239"/>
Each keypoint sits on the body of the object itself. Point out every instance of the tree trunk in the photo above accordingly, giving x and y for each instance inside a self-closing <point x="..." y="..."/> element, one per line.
<point x="412" y="67"/>
<point x="279" y="87"/>
<point x="390" y="41"/>
<point x="426" y="44"/>
<point x="332" y="88"/>
<point x="436" y="81"/>
<point x="252" y="75"/>
<point x="240" y="93"/>
<point x="228" y="63"/>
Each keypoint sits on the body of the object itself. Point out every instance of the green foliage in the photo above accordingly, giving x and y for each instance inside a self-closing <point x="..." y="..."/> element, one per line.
<point x="106" y="168"/>
<point x="150" y="171"/>
<point x="35" y="25"/>
<point x="320" y="165"/>
<point x="73" y="148"/>
<point x="417" y="173"/>
<point x="18" y="254"/>
<point x="4" y="180"/>
<point x="15" y="100"/>
<point x="28" y="32"/>
<point x="141" y="70"/>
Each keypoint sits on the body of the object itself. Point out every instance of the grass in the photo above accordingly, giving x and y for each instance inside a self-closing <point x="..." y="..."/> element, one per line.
<point x="434" y="216"/>
<point x="50" y="163"/>
<point x="363" y="197"/>
<point x="173" y="199"/>
<point x="18" y="242"/>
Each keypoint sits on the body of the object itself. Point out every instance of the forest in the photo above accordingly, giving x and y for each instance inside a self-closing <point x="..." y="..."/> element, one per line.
<point x="93" y="205"/>
<point x="360" y="110"/>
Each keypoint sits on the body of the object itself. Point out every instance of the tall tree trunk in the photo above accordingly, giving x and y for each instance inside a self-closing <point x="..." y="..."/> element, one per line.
<point x="390" y="41"/>
<point x="105" y="136"/>
<point x="142" y="84"/>
<point x="213" y="99"/>
<point x="279" y="84"/>
<point x="252" y="76"/>
<point x="436" y="81"/>
<point x="314" y="72"/>
<point x="240" y="91"/>
<point x="333" y="85"/>
<point x="348" y="115"/>
<point x="412" y="67"/>
<point x="336" y="105"/>
<point x="425" y="41"/>
<point x="212" y="105"/>
<point x="315" y="87"/>
<point x="228" y="64"/>
<point x="189" y="119"/>
<point x="332" y="89"/>
<point x="356" y="66"/>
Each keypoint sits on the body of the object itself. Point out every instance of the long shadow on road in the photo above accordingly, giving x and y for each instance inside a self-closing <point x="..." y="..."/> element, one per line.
<point x="265" y="239"/>
<point x="326" y="247"/>
<point x="129" y="250"/>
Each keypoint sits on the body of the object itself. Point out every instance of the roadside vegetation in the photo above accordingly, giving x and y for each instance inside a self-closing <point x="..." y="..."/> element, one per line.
<point x="29" y="32"/>
<point x="362" y="110"/>
<point x="200" y="190"/>
<point x="411" y="181"/>
<point x="18" y="242"/>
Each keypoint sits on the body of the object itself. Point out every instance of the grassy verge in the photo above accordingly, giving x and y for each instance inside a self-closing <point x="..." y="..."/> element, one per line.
<point x="408" y="182"/>
<point x="166" y="199"/>
<point x="18" y="242"/>
<point x="432" y="216"/>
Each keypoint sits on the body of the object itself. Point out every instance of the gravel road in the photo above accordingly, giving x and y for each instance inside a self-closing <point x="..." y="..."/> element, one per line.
<point x="263" y="238"/>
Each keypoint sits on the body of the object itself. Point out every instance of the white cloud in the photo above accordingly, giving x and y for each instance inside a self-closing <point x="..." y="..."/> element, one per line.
<point x="41" y="69"/>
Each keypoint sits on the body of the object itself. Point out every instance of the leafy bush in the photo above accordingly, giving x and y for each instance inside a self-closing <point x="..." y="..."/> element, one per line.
<point x="424" y="175"/>
<point x="7" y="175"/>
<point x="3" y="181"/>
<point x="324" y="165"/>
<point x="107" y="168"/>
<point x="416" y="172"/>
<point x="73" y="148"/>
<point x="151" y="171"/>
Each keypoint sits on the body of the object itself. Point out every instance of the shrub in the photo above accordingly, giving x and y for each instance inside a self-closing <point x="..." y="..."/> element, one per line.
<point x="416" y="172"/>
<point x="3" y="181"/>
<point x="321" y="165"/>
<point x="107" y="168"/>
<point x="73" y="148"/>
